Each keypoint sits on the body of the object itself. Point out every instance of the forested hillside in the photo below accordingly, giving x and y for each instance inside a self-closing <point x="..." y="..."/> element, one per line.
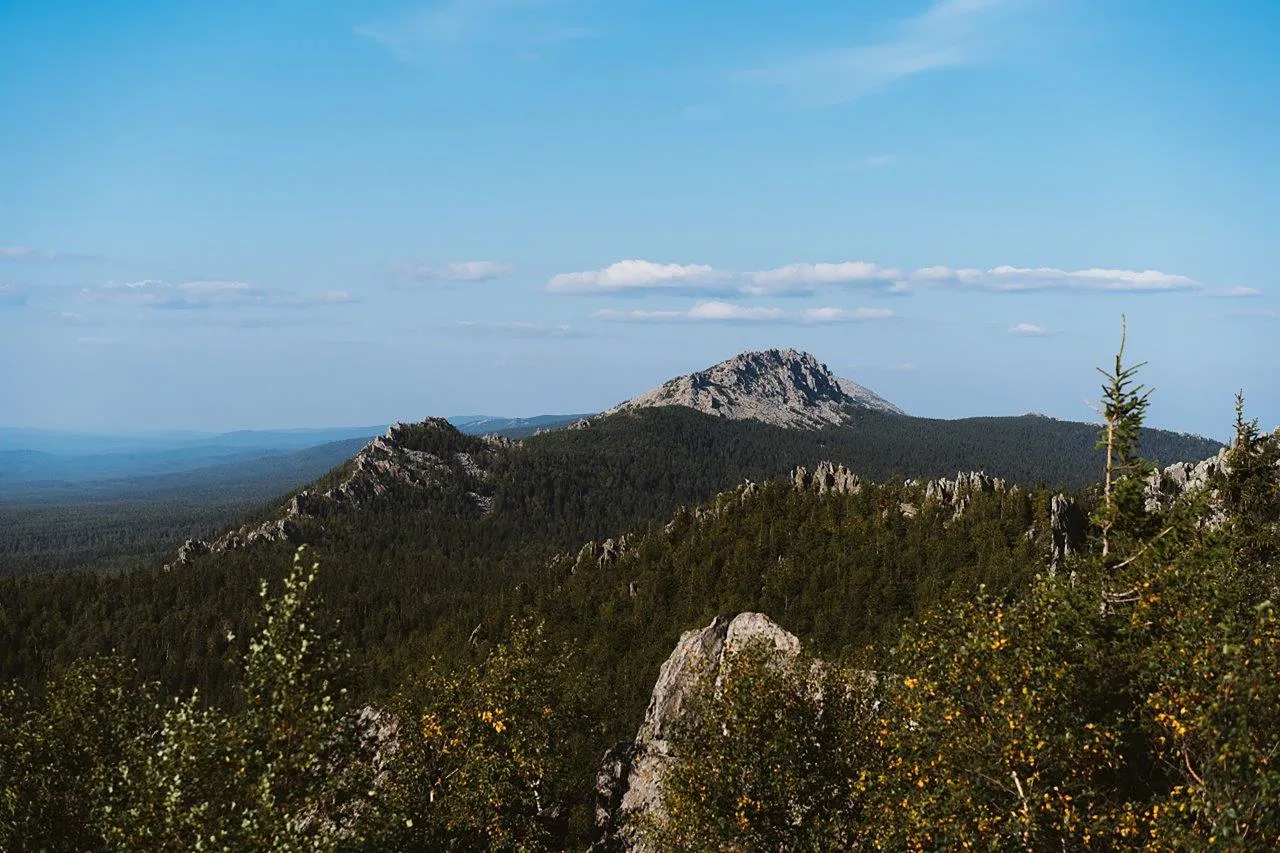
<point x="1095" y="712"/>
<point x="486" y="591"/>
<point x="551" y="494"/>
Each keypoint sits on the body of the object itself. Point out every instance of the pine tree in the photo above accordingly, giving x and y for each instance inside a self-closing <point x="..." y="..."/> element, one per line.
<point x="1124" y="406"/>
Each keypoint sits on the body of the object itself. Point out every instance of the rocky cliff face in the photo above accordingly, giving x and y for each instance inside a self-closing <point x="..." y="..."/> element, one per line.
<point x="431" y="454"/>
<point x="781" y="387"/>
<point x="628" y="783"/>
<point x="1164" y="486"/>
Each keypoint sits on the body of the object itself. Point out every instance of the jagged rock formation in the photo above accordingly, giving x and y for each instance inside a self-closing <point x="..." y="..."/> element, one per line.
<point x="1067" y="529"/>
<point x="628" y="783"/>
<point x="781" y="387"/>
<point x="396" y="458"/>
<point x="596" y="554"/>
<point x="966" y="482"/>
<point x="1163" y="487"/>
<point x="827" y="477"/>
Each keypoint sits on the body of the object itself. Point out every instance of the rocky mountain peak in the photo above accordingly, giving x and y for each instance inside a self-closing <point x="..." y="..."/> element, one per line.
<point x="430" y="455"/>
<point x="784" y="387"/>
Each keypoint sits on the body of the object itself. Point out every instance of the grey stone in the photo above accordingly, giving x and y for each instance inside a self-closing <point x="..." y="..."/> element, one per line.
<point x="629" y="781"/>
<point x="781" y="387"/>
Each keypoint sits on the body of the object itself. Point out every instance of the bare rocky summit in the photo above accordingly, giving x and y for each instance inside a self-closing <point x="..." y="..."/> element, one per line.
<point x="431" y="454"/>
<point x="784" y="387"/>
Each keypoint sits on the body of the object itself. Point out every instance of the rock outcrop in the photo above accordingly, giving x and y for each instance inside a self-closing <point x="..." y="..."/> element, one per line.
<point x="1164" y="486"/>
<point x="966" y="482"/>
<point x="397" y="458"/>
<point x="782" y="387"/>
<point x="628" y="783"/>
<point x="1068" y="527"/>
<point x="827" y="477"/>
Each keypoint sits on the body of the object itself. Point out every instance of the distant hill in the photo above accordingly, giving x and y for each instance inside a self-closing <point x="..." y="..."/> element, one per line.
<point x="126" y="523"/>
<point x="76" y="444"/>
<point x="511" y="427"/>
<point x="47" y="457"/>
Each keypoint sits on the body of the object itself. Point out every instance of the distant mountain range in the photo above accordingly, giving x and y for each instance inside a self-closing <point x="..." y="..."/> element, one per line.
<point x="511" y="427"/>
<point x="53" y="463"/>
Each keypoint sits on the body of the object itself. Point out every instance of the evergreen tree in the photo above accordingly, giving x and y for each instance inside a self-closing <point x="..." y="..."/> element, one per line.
<point x="1123" y="408"/>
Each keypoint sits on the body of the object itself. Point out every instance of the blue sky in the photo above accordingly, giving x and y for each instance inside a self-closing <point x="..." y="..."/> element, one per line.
<point x="280" y="214"/>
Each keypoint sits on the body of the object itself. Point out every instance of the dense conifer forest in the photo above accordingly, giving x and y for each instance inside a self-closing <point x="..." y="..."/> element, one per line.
<point x="502" y="658"/>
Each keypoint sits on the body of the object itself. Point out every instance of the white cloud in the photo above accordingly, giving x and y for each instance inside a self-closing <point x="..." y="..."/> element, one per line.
<point x="615" y="314"/>
<point x="333" y="297"/>
<point x="636" y="276"/>
<point x="10" y="295"/>
<point x="209" y="293"/>
<point x="462" y="271"/>
<point x="803" y="278"/>
<point x="948" y="34"/>
<point x="1236" y="292"/>
<point x="717" y="311"/>
<point x="1010" y="279"/>
<point x="519" y="329"/>
<point x="215" y="291"/>
<point x="714" y="310"/>
<point x="188" y="294"/>
<point x="844" y="315"/>
<point x="1030" y="330"/>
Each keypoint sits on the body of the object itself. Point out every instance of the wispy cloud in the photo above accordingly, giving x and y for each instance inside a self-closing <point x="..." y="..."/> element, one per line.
<point x="24" y="253"/>
<point x="636" y="276"/>
<point x="717" y="311"/>
<point x="1260" y="313"/>
<point x="200" y="294"/>
<point x="459" y="271"/>
<point x="948" y="34"/>
<point x="846" y="315"/>
<point x="798" y="279"/>
<point x="519" y="330"/>
<point x="877" y="161"/>
<point x="1235" y="292"/>
<point x="1028" y="330"/>
<point x="804" y="278"/>
<point x="159" y="293"/>
<point x="437" y="27"/>
<point x="331" y="297"/>
<point x="1010" y="279"/>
